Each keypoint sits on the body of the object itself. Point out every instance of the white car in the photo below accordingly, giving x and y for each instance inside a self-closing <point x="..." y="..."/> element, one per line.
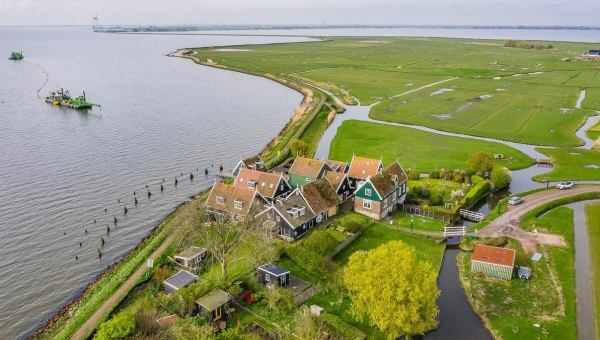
<point x="564" y="185"/>
<point x="515" y="200"/>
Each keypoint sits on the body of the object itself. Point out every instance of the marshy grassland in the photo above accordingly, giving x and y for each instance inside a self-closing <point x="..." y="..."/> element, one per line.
<point x="592" y="215"/>
<point x="527" y="96"/>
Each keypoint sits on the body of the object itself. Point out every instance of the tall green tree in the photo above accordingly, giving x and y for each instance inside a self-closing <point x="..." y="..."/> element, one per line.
<point x="480" y="162"/>
<point x="395" y="291"/>
<point x="299" y="148"/>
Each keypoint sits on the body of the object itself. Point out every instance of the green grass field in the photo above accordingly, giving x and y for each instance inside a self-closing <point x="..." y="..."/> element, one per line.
<point x="592" y="215"/>
<point x="501" y="303"/>
<point x="417" y="149"/>
<point x="571" y="164"/>
<point x="529" y="95"/>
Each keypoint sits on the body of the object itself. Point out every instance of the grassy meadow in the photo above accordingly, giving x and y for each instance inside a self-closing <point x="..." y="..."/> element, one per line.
<point x="520" y="95"/>
<point x="418" y="150"/>
<point x="549" y="294"/>
<point x="571" y="164"/>
<point x="592" y="215"/>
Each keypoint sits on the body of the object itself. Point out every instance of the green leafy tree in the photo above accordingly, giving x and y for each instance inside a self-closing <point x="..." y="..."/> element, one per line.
<point x="183" y="301"/>
<point x="299" y="147"/>
<point x="192" y="329"/>
<point x="119" y="327"/>
<point x="500" y="177"/>
<point x="480" y="162"/>
<point x="321" y="242"/>
<point x="279" y="299"/>
<point x="393" y="289"/>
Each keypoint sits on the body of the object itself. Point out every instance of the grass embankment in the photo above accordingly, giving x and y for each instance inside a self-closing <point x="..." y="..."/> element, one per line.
<point x="371" y="238"/>
<point x="571" y="164"/>
<point x="418" y="150"/>
<point x="522" y="95"/>
<point x="592" y="215"/>
<point x="511" y="309"/>
<point x="315" y="129"/>
<point x="80" y="311"/>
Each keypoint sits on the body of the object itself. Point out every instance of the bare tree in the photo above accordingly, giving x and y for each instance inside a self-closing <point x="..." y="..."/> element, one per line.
<point x="231" y="241"/>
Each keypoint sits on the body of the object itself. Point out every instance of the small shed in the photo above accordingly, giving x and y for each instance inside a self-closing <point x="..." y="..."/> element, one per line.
<point x="270" y="274"/>
<point x="212" y="304"/>
<point x="179" y="280"/>
<point x="191" y="257"/>
<point x="493" y="261"/>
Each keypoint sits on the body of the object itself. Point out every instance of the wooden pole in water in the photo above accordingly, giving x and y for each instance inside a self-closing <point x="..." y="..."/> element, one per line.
<point x="161" y="187"/>
<point x="99" y="253"/>
<point x="206" y="171"/>
<point x="191" y="176"/>
<point x="124" y="209"/>
<point x="115" y="219"/>
<point x="149" y="194"/>
<point x="175" y="181"/>
<point x="102" y="241"/>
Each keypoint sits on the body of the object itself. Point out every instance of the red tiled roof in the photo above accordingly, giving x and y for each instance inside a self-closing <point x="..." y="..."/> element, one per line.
<point x="336" y="165"/>
<point x="266" y="183"/>
<point x="306" y="167"/>
<point x="362" y="167"/>
<point x="335" y="178"/>
<point x="494" y="255"/>
<point x="230" y="195"/>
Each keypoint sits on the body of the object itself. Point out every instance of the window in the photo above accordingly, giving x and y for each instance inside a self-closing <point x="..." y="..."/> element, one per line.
<point x="282" y="187"/>
<point x="394" y="195"/>
<point x="267" y="277"/>
<point x="368" y="192"/>
<point x="367" y="204"/>
<point x="240" y="218"/>
<point x="364" y="172"/>
<point x="302" y="210"/>
<point x="277" y="218"/>
<point x="241" y="179"/>
<point x="319" y="218"/>
<point x="251" y="184"/>
<point x="385" y="202"/>
<point x="238" y="204"/>
<point x="221" y="200"/>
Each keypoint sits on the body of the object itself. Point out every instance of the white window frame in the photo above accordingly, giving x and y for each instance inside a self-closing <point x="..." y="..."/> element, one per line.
<point x="240" y="218"/>
<point x="220" y="200"/>
<point x="267" y="277"/>
<point x="277" y="218"/>
<point x="385" y="202"/>
<point x="238" y="205"/>
<point x="367" y="204"/>
<point x="319" y="218"/>
<point x="368" y="192"/>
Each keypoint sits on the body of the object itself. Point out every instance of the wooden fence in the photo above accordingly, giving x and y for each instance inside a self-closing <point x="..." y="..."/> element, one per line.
<point x="421" y="212"/>
<point x="344" y="244"/>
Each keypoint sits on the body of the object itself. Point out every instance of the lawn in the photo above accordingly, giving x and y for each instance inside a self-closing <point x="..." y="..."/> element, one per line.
<point x="403" y="220"/>
<point x="511" y="308"/>
<point x="592" y="215"/>
<point x="372" y="237"/>
<point x="437" y="186"/>
<point x="418" y="150"/>
<point x="514" y="94"/>
<point x="571" y="164"/>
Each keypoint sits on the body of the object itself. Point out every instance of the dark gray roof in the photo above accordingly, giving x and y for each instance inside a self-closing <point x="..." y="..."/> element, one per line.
<point x="290" y="203"/>
<point x="181" y="279"/>
<point x="273" y="269"/>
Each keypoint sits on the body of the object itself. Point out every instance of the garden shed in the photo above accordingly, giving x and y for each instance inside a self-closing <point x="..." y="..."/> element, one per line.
<point x="212" y="304"/>
<point x="179" y="280"/>
<point x="270" y="274"/>
<point x="191" y="257"/>
<point x="493" y="261"/>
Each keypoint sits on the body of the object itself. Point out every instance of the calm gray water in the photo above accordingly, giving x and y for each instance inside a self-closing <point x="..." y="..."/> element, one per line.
<point x="60" y="168"/>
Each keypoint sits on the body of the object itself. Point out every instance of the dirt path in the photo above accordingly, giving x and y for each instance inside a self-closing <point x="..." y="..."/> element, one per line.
<point x="123" y="290"/>
<point x="509" y="224"/>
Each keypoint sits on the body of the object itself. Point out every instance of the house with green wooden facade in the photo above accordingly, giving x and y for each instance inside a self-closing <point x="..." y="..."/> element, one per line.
<point x="379" y="195"/>
<point x="493" y="261"/>
<point x="306" y="170"/>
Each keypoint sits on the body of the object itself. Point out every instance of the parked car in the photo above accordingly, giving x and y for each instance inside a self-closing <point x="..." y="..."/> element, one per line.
<point x="564" y="185"/>
<point x="515" y="200"/>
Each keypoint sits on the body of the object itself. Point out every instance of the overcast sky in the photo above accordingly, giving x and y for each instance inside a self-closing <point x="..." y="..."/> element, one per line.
<point x="161" y="12"/>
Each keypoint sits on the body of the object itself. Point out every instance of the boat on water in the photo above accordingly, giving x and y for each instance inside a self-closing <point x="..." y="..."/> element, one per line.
<point x="16" y="56"/>
<point x="63" y="98"/>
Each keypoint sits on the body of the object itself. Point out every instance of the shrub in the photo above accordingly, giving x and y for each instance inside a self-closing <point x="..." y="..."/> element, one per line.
<point x="320" y="242"/>
<point x="425" y="193"/>
<point x="121" y="326"/>
<point x="436" y="199"/>
<point x="550" y="47"/>
<point x="434" y="174"/>
<point x="412" y="198"/>
<point x="500" y="177"/>
<point x="476" y="192"/>
<point x="476" y="179"/>
<point x="354" y="223"/>
<point x="414" y="175"/>
<point x="457" y="177"/>
<point x="311" y="262"/>
<point x="418" y="190"/>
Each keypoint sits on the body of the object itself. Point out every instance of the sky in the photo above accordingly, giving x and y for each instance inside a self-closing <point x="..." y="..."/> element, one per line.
<point x="410" y="12"/>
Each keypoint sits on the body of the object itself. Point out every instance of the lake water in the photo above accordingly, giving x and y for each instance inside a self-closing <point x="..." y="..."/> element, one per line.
<point x="60" y="168"/>
<point x="160" y="117"/>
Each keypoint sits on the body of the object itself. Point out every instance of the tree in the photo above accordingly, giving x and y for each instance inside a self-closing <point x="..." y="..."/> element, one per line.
<point x="480" y="162"/>
<point x="500" y="177"/>
<point x="309" y="327"/>
<point x="298" y="147"/>
<point x="393" y="289"/>
<point x="183" y="301"/>
<point x="223" y="240"/>
<point x="550" y="47"/>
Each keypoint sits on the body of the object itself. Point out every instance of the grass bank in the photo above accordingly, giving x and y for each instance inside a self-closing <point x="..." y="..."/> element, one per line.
<point x="592" y="215"/>
<point x="418" y="150"/>
<point x="549" y="296"/>
<point x="571" y="164"/>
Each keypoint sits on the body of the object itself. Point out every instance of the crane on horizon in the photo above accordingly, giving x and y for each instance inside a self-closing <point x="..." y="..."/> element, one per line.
<point x="95" y="23"/>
